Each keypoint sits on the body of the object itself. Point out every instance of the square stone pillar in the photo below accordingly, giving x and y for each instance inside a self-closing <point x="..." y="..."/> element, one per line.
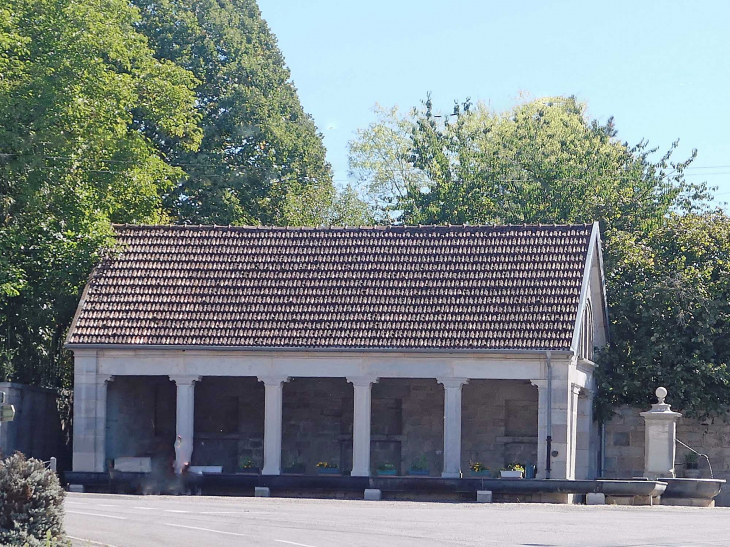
<point x="660" y="437"/>
<point x="542" y="429"/>
<point x="452" y="426"/>
<point x="185" y="419"/>
<point x="572" y="447"/>
<point x="272" y="423"/>
<point x="585" y="467"/>
<point x="89" y="438"/>
<point x="102" y="387"/>
<point x="362" y="411"/>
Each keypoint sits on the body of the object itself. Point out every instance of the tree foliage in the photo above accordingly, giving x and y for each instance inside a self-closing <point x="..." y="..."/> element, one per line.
<point x="142" y="112"/>
<point x="379" y="160"/>
<point x="260" y="150"/>
<point x="541" y="161"/>
<point x="77" y="81"/>
<point x="546" y="161"/>
<point x="669" y="299"/>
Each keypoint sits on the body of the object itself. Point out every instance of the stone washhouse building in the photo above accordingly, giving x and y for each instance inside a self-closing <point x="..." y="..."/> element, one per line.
<point x="356" y="346"/>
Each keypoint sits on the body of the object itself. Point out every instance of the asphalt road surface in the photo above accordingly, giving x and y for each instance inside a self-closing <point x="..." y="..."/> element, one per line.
<point x="136" y="521"/>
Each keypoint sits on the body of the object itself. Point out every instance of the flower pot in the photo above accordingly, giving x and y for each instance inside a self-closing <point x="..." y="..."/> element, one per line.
<point x="383" y="472"/>
<point x="482" y="473"/>
<point x="328" y="470"/>
<point x="419" y="472"/>
<point x="294" y="470"/>
<point x="510" y="474"/>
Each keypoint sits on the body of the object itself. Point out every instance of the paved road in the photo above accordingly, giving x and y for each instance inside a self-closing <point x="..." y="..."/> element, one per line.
<point x="136" y="521"/>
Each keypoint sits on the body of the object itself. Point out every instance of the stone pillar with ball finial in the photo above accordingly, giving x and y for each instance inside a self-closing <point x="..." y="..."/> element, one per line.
<point x="660" y="433"/>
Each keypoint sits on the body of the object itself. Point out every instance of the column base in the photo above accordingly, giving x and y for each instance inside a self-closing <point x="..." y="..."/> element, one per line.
<point x="265" y="471"/>
<point x="451" y="475"/>
<point x="355" y="473"/>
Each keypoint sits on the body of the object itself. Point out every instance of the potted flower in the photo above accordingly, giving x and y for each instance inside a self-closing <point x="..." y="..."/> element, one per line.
<point x="419" y="467"/>
<point x="328" y="468"/>
<point x="691" y="465"/>
<point x="246" y="465"/>
<point x="295" y="467"/>
<point x="386" y="469"/>
<point x="512" y="471"/>
<point x="478" y="468"/>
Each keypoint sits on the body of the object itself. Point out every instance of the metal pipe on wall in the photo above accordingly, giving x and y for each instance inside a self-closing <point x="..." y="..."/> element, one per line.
<point x="549" y="417"/>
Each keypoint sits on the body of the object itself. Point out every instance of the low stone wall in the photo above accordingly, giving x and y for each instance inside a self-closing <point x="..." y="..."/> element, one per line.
<point x="624" y="456"/>
<point x="36" y="429"/>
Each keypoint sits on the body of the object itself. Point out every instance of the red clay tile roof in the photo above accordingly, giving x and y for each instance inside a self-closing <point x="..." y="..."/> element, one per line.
<point x="445" y="287"/>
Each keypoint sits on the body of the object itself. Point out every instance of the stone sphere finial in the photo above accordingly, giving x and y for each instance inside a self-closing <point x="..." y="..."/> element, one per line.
<point x="661" y="393"/>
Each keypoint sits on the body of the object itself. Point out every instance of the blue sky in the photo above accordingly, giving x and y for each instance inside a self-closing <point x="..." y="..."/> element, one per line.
<point x="660" y="68"/>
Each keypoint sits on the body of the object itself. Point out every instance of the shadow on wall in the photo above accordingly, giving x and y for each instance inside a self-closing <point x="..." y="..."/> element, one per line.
<point x="36" y="430"/>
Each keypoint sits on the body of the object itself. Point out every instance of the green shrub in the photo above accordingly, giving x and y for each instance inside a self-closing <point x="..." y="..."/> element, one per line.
<point x="31" y="502"/>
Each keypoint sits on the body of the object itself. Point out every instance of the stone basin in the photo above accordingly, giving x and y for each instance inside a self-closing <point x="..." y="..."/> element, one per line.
<point x="692" y="488"/>
<point x="632" y="488"/>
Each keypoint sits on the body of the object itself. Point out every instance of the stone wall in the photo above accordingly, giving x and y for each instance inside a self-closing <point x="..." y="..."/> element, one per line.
<point x="408" y="423"/>
<point x="317" y="423"/>
<point x="229" y="422"/>
<point x="499" y="422"/>
<point x="36" y="429"/>
<point x="140" y="419"/>
<point x="625" y="447"/>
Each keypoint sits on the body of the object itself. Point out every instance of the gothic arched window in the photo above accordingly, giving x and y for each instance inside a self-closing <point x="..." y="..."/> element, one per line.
<point x="585" y="347"/>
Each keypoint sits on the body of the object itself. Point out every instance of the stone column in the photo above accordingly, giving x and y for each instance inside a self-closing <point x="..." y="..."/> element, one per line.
<point x="185" y="419"/>
<point x="362" y="392"/>
<point x="660" y="437"/>
<point x="542" y="429"/>
<point x="573" y="393"/>
<point x="452" y="426"/>
<point x="272" y="423"/>
<point x="584" y="459"/>
<point x="102" y="383"/>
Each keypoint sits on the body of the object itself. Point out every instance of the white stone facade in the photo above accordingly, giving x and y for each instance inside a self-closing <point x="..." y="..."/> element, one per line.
<point x="573" y="453"/>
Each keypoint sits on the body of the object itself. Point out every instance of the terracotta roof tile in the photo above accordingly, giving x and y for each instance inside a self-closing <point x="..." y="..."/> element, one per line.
<point x="447" y="287"/>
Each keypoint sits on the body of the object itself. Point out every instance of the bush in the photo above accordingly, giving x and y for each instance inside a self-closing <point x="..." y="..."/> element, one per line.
<point x="31" y="502"/>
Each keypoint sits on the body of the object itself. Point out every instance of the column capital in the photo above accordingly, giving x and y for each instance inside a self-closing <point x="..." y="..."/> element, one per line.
<point x="452" y="382"/>
<point x="274" y="380"/>
<point x="586" y="393"/>
<point x="185" y="379"/>
<point x="539" y="384"/>
<point x="363" y="381"/>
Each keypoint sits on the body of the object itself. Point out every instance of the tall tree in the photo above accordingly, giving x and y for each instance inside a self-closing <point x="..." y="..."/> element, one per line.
<point x="541" y="161"/>
<point x="259" y="146"/>
<point x="546" y="161"/>
<point x="77" y="84"/>
<point x="670" y="316"/>
<point x="379" y="159"/>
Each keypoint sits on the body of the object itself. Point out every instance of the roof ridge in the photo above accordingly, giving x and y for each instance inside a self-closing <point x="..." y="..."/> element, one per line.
<point x="332" y="228"/>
